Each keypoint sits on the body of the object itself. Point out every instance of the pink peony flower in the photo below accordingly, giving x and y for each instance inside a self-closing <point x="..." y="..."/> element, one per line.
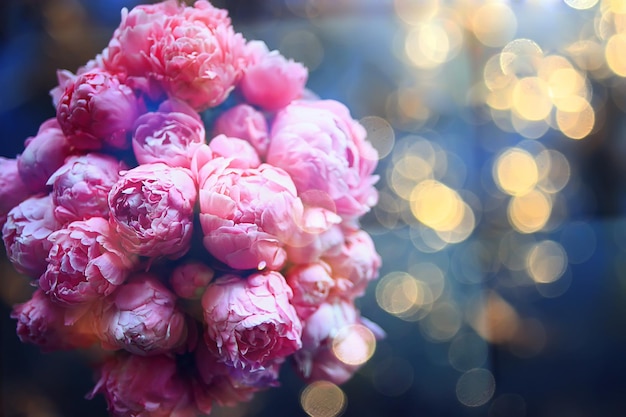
<point x="192" y="53"/>
<point x="97" y="110"/>
<point x="355" y="265"/>
<point x="25" y="235"/>
<point x="84" y="263"/>
<point x="250" y="323"/>
<point x="189" y="280"/>
<point x="130" y="52"/>
<point x="199" y="162"/>
<point x="270" y="80"/>
<point x="12" y="189"/>
<point x="319" y="244"/>
<point x="42" y="322"/>
<point x="141" y="317"/>
<point x="81" y="186"/>
<point x="242" y="154"/>
<point x="152" y="209"/>
<point x="322" y="148"/>
<point x="244" y="122"/>
<point x="43" y="154"/>
<point x="247" y="214"/>
<point x="311" y="284"/>
<point x="139" y="386"/>
<point x="202" y="63"/>
<point x="317" y="360"/>
<point x="171" y="135"/>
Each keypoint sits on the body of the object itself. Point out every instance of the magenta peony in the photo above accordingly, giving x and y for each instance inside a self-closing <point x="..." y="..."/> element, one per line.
<point x="244" y="122"/>
<point x="152" y="210"/>
<point x="250" y="323"/>
<point x="138" y="386"/>
<point x="25" y="235"/>
<point x="271" y="81"/>
<point x="80" y="188"/>
<point x="170" y="135"/>
<point x="12" y="189"/>
<point x="85" y="262"/>
<point x="189" y="280"/>
<point x="324" y="149"/>
<point x="98" y="111"/>
<point x="246" y="214"/>
<point x="141" y="317"/>
<point x="43" y="154"/>
<point x="43" y="322"/>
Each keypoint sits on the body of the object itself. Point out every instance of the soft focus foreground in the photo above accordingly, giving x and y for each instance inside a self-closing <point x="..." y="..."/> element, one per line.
<point x="499" y="219"/>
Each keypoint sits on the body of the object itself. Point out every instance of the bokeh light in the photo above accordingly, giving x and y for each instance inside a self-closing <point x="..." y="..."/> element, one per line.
<point x="323" y="399"/>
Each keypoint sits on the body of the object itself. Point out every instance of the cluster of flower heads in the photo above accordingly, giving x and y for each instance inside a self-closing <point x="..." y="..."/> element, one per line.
<point x="194" y="210"/>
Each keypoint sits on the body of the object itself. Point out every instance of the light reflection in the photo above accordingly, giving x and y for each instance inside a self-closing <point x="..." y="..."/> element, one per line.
<point x="494" y="24"/>
<point x="530" y="212"/>
<point x="475" y="387"/>
<point x="323" y="399"/>
<point x="443" y="322"/>
<point x="516" y="172"/>
<point x="546" y="261"/>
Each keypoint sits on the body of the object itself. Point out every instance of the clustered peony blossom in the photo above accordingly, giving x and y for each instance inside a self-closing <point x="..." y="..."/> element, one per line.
<point x="200" y="239"/>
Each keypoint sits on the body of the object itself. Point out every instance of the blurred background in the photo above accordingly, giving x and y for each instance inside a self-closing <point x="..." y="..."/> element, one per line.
<point x="502" y="215"/>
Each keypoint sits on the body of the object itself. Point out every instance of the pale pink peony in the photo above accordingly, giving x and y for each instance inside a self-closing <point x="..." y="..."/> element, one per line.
<point x="200" y="163"/>
<point x="311" y="285"/>
<point x="328" y="242"/>
<point x="189" y="280"/>
<point x="355" y="265"/>
<point x="81" y="186"/>
<point x="12" y="189"/>
<point x="324" y="149"/>
<point x="247" y="214"/>
<point x="85" y="262"/>
<point x="141" y="317"/>
<point x="152" y="209"/>
<point x="317" y="360"/>
<point x="242" y="154"/>
<point x="25" y="234"/>
<point x="271" y="81"/>
<point x="192" y="53"/>
<point x="244" y="122"/>
<point x="227" y="385"/>
<point x="98" y="111"/>
<point x="42" y="322"/>
<point x="250" y="323"/>
<point x="139" y="386"/>
<point x="170" y="135"/>
<point x="43" y="154"/>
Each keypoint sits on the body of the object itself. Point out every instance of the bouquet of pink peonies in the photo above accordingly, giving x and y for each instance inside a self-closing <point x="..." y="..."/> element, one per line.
<point x="201" y="265"/>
